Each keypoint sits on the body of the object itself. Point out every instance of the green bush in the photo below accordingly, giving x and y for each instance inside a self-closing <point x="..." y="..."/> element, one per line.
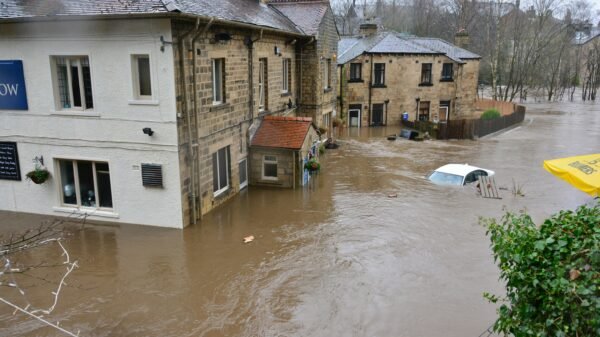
<point x="490" y="114"/>
<point x="551" y="273"/>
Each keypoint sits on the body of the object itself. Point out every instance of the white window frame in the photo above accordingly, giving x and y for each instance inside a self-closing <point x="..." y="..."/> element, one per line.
<point x="77" y="184"/>
<point x="70" y="61"/>
<point x="243" y="184"/>
<point x="218" y="93"/>
<point x="228" y="172"/>
<point x="136" y="77"/>
<point x="270" y="161"/>
<point x="262" y="64"/>
<point x="285" y="88"/>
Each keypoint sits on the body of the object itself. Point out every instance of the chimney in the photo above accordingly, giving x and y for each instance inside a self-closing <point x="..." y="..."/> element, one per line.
<point x="367" y="29"/>
<point x="461" y="39"/>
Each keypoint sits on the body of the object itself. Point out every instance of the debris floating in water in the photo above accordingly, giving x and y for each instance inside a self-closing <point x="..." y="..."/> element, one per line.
<point x="249" y="239"/>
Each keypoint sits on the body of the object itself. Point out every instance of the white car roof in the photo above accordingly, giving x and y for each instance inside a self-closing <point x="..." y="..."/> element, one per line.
<point x="461" y="169"/>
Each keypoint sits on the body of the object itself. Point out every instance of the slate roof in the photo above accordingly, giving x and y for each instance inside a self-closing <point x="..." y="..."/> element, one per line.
<point x="282" y="132"/>
<point x="393" y="43"/>
<point x="305" y="15"/>
<point x="244" y="11"/>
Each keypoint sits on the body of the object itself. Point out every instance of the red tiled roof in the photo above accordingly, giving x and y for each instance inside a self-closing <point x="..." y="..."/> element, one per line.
<point x="282" y="132"/>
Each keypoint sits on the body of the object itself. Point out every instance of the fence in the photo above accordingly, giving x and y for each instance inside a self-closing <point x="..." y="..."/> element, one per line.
<point x="505" y="108"/>
<point x="467" y="128"/>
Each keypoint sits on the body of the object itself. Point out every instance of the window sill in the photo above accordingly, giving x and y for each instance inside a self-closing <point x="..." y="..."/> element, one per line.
<point x="75" y="113"/>
<point x="447" y="80"/>
<point x="426" y="84"/>
<point x="218" y="107"/>
<point x="286" y="94"/>
<point x="143" y="102"/>
<point x="327" y="89"/>
<point x="357" y="80"/>
<point x="378" y="86"/>
<point x="86" y="211"/>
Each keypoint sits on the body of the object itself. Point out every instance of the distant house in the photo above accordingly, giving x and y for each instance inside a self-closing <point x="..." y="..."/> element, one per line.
<point x="143" y="111"/>
<point x="280" y="149"/>
<point x="384" y="75"/>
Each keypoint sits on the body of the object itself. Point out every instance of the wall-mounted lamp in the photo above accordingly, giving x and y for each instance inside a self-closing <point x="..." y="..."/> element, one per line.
<point x="148" y="131"/>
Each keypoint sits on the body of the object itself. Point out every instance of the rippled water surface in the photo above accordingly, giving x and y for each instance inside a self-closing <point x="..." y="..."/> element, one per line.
<point x="337" y="258"/>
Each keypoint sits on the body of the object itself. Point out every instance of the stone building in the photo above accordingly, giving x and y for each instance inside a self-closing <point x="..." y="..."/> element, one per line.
<point x="143" y="111"/>
<point x="280" y="149"/>
<point x="384" y="75"/>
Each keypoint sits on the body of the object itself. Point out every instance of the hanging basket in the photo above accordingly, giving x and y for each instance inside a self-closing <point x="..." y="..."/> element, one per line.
<point x="312" y="166"/>
<point x="38" y="176"/>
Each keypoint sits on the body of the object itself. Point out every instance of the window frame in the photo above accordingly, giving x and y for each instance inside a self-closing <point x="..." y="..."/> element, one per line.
<point x="77" y="184"/>
<point x="421" y="105"/>
<point x="135" y="71"/>
<point x="286" y="75"/>
<point x="266" y="161"/>
<point x="426" y="74"/>
<point x="226" y="151"/>
<point x="69" y="60"/>
<point x="447" y="77"/>
<point x="327" y="75"/>
<point x="263" y="82"/>
<point x="380" y="72"/>
<point x="354" y="66"/>
<point x="218" y="92"/>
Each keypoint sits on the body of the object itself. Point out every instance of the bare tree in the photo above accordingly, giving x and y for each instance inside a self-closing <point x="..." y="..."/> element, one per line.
<point x="15" y="249"/>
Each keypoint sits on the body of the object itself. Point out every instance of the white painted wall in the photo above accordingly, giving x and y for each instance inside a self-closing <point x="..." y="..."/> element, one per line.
<point x="112" y="132"/>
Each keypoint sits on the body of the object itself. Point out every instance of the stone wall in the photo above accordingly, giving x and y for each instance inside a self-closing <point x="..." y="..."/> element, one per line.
<point x="315" y="99"/>
<point x="403" y="87"/>
<point x="225" y="125"/>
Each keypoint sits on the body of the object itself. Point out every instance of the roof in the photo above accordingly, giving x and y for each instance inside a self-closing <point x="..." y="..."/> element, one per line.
<point x="282" y="132"/>
<point x="393" y="43"/>
<point x="461" y="169"/>
<point x="582" y="38"/>
<point x="243" y="11"/>
<point x="305" y="15"/>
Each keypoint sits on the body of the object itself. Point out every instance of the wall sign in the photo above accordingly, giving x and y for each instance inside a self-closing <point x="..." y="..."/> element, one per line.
<point x="12" y="86"/>
<point x="9" y="161"/>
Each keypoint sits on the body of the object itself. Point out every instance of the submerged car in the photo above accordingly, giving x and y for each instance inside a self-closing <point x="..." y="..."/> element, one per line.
<point x="458" y="174"/>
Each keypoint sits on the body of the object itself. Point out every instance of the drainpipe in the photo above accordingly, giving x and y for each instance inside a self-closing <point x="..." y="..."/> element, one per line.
<point x="370" y="92"/>
<point x="195" y="158"/>
<point x="341" y="92"/>
<point x="181" y="42"/>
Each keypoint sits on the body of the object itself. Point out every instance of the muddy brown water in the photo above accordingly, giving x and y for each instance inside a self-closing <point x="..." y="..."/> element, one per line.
<point x="337" y="258"/>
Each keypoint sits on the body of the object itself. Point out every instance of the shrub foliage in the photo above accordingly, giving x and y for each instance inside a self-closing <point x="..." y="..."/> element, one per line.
<point x="551" y="273"/>
<point x="490" y="114"/>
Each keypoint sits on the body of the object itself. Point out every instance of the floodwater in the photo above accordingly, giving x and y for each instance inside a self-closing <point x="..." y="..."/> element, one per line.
<point x="337" y="258"/>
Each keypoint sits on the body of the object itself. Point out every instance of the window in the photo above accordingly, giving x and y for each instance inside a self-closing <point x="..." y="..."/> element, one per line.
<point x="221" y="170"/>
<point x="262" y="85"/>
<point x="355" y="71"/>
<point x="269" y="168"/>
<point x="379" y="74"/>
<point x="426" y="73"/>
<point x="327" y="75"/>
<point x="73" y="82"/>
<point x="243" y="168"/>
<point x="218" y="84"/>
<point x="286" y="76"/>
<point x="424" y="111"/>
<point x="447" y="72"/>
<point x="142" y="82"/>
<point x="85" y="183"/>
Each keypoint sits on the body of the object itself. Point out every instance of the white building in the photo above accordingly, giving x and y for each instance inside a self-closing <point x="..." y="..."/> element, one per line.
<point x="92" y="87"/>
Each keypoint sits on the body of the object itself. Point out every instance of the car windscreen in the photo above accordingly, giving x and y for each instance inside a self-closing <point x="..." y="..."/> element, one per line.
<point x="445" y="178"/>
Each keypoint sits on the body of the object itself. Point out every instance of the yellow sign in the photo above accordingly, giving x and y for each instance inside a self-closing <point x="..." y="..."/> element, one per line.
<point x="582" y="172"/>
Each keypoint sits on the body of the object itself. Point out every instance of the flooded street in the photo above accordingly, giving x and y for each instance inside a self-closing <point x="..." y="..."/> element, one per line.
<point x="338" y="258"/>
